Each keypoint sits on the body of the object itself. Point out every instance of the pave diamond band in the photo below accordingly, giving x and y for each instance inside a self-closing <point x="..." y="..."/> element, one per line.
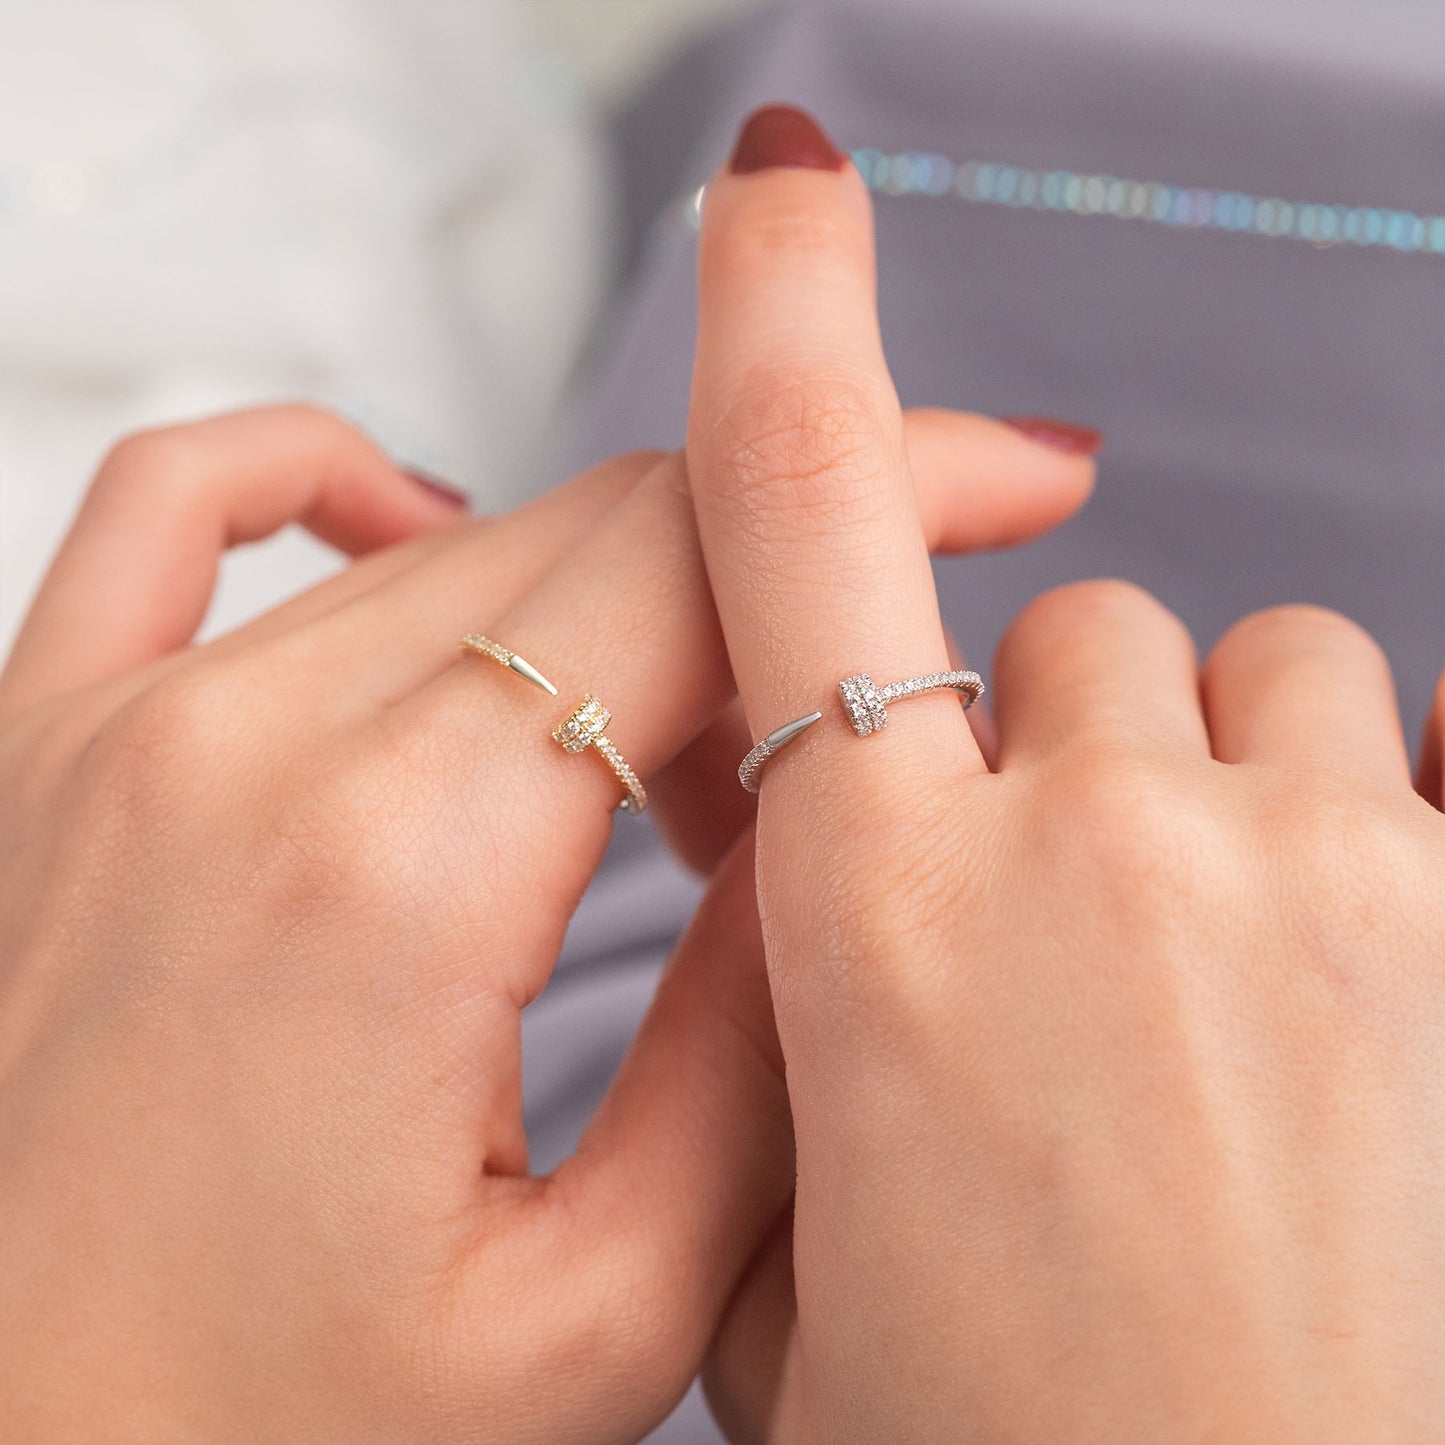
<point x="475" y="642"/>
<point x="586" y="727"/>
<point x="750" y="770"/>
<point x="867" y="704"/>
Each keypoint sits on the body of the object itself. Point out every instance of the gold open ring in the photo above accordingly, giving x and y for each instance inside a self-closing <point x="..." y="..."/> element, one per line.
<point x="585" y="727"/>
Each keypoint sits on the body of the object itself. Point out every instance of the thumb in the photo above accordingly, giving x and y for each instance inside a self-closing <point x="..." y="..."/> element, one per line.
<point x="646" y="1230"/>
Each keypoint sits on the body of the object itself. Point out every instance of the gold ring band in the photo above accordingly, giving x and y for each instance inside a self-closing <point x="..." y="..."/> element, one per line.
<point x="586" y="726"/>
<point x="475" y="642"/>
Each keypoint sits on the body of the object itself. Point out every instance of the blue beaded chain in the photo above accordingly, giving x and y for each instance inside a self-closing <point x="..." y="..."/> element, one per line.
<point x="993" y="183"/>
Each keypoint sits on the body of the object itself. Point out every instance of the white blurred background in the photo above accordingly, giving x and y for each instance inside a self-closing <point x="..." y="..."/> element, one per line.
<point x="400" y="210"/>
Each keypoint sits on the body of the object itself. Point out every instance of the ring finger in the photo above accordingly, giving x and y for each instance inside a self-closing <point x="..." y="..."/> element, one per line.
<point x="1304" y="688"/>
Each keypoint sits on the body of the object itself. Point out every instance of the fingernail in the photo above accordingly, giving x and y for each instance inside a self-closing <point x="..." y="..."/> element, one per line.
<point x="1064" y="436"/>
<point x="783" y="135"/>
<point x="452" y="496"/>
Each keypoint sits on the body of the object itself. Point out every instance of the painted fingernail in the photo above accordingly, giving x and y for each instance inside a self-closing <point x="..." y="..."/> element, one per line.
<point x="1063" y="436"/>
<point x="783" y="135"/>
<point x="442" y="491"/>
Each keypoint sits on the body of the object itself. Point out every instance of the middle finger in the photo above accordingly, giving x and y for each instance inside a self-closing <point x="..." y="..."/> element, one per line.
<point x="1102" y="664"/>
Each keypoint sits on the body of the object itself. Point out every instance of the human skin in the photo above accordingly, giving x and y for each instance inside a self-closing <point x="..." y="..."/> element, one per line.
<point x="1117" y="1068"/>
<point x="270" y="908"/>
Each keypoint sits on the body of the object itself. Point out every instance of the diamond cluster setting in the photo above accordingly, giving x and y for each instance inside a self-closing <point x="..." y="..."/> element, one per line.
<point x="867" y="704"/>
<point x="586" y="727"/>
<point x="863" y="702"/>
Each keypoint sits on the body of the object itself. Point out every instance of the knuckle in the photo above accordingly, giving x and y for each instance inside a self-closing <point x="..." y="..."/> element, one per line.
<point x="304" y="414"/>
<point x="343" y="843"/>
<point x="157" y="775"/>
<point x="325" y="839"/>
<point x="324" y="851"/>
<point x="642" y="460"/>
<point x="803" y="449"/>
<point x="175" y="733"/>
<point x="308" y="426"/>
<point x="645" y="1351"/>
<point x="1356" y="861"/>
<point x="1299" y="617"/>
<point x="676" y="483"/>
<point x="1101" y="602"/>
<point x="1354" y="883"/>
<point x="1295" y="630"/>
<point x="175" y="458"/>
<point x="885" y="920"/>
<point x="160" y="457"/>
<point x="371" y="837"/>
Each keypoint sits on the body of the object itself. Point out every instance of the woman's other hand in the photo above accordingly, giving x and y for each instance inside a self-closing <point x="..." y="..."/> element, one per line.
<point x="1117" y="1071"/>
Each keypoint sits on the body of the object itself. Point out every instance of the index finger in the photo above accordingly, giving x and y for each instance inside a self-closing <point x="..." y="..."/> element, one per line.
<point x="795" y="449"/>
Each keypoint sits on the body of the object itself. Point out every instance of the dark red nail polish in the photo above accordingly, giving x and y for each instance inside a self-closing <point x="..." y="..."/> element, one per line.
<point x="783" y="135"/>
<point x="1064" y="436"/>
<point x="452" y="496"/>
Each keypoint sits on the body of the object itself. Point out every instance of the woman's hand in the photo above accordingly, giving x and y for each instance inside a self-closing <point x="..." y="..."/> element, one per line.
<point x="1118" y="1072"/>
<point x="270" y="909"/>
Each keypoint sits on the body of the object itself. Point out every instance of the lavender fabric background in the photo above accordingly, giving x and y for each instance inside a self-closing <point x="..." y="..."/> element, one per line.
<point x="1273" y="410"/>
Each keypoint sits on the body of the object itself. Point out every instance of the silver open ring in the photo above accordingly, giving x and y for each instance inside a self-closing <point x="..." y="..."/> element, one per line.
<point x="867" y="707"/>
